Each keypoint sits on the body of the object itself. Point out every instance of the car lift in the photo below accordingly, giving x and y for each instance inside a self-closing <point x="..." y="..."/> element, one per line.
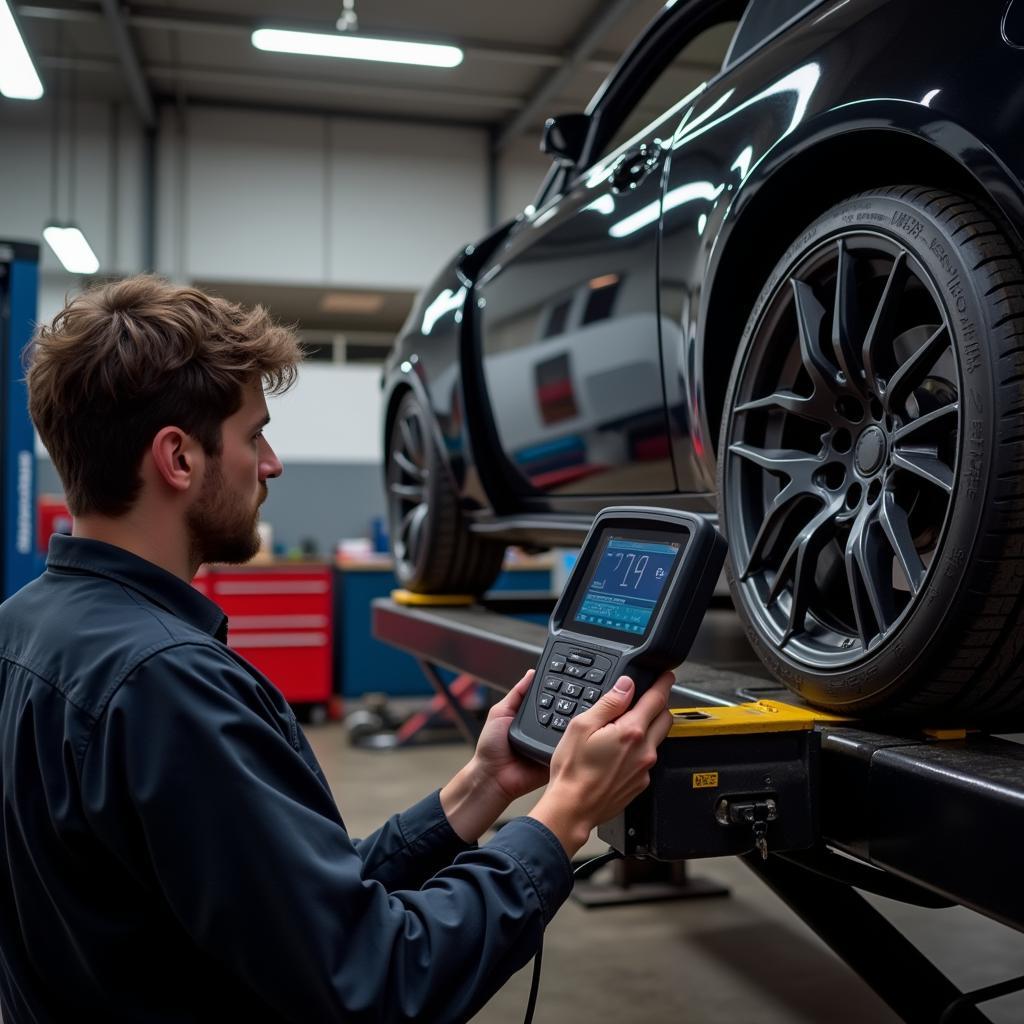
<point x="929" y="818"/>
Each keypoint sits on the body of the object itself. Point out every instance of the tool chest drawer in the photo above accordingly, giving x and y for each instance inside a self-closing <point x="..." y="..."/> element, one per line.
<point x="280" y="620"/>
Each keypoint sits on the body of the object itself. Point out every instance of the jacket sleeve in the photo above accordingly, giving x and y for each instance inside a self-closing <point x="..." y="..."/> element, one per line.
<point x="190" y="781"/>
<point x="412" y="846"/>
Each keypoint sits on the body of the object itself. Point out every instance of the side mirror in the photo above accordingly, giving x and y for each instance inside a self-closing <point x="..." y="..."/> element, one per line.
<point x="564" y="137"/>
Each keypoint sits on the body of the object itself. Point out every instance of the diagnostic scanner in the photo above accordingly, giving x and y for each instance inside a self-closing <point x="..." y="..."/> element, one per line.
<point x="631" y="606"/>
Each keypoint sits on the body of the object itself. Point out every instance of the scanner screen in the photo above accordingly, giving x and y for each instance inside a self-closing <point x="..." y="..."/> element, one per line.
<point x="626" y="584"/>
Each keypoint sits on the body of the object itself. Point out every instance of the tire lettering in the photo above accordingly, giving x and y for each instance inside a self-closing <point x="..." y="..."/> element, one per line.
<point x="907" y="223"/>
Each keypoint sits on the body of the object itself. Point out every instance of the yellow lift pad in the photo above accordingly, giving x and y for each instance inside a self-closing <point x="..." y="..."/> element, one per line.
<point x="407" y="597"/>
<point x="757" y="716"/>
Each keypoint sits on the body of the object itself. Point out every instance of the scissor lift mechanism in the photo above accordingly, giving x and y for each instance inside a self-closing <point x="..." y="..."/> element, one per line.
<point x="934" y="823"/>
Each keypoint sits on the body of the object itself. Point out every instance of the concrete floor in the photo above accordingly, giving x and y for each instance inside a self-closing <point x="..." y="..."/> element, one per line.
<point x="743" y="959"/>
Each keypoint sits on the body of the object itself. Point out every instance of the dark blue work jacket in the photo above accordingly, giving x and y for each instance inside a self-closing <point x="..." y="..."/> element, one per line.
<point x="172" y="849"/>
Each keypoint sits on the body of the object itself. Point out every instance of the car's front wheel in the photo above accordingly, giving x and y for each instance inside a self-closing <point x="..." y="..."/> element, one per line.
<point x="434" y="551"/>
<point x="871" y="461"/>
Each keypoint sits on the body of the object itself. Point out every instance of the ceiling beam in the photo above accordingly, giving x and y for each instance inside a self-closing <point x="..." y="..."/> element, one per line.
<point x="599" y="23"/>
<point x="175" y="20"/>
<point x="138" y="89"/>
<point x="256" y="80"/>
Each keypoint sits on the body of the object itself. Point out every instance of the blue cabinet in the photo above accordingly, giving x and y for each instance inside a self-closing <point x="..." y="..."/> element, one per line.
<point x="365" y="665"/>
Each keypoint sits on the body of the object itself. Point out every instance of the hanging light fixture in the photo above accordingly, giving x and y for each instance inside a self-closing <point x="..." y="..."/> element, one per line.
<point x="65" y="238"/>
<point x="18" y="77"/>
<point x="347" y="44"/>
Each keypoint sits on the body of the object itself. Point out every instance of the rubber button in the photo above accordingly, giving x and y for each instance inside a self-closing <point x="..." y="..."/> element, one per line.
<point x="545" y="700"/>
<point x="595" y="675"/>
<point x="543" y="717"/>
<point x="572" y="690"/>
<point x="552" y="683"/>
<point x="559" y="723"/>
<point x="556" y="664"/>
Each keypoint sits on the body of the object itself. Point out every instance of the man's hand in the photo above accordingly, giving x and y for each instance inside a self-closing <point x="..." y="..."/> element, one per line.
<point x="604" y="760"/>
<point x="495" y="776"/>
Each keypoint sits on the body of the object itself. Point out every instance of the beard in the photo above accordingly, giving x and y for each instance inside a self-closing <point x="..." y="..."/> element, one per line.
<point x="220" y="528"/>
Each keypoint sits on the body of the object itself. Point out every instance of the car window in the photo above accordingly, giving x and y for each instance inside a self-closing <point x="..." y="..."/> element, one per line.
<point x="700" y="59"/>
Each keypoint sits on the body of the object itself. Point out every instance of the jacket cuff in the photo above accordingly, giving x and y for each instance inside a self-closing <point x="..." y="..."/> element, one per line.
<point x="426" y="827"/>
<point x="534" y="847"/>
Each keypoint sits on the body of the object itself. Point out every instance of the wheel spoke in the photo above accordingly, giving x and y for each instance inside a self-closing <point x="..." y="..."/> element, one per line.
<point x="798" y="564"/>
<point x="924" y="463"/>
<point x="897" y="529"/>
<point x="846" y="319"/>
<point x="913" y="371"/>
<point x="412" y="441"/>
<point x="788" y="401"/>
<point x="874" y="572"/>
<point x="810" y="314"/>
<point x="407" y="492"/>
<point x="408" y="466"/>
<point x="923" y="422"/>
<point x="861" y="609"/>
<point x="882" y="322"/>
<point x="781" y="509"/>
<point x="794" y="463"/>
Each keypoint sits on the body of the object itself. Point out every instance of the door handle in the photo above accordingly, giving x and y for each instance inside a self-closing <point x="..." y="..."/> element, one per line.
<point x="633" y="166"/>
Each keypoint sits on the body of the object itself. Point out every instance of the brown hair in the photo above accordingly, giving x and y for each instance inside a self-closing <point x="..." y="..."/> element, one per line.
<point x="124" y="360"/>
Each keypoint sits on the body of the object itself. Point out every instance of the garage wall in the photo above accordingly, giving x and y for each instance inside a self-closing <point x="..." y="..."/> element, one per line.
<point x="96" y="171"/>
<point x="309" y="200"/>
<point x="521" y="171"/>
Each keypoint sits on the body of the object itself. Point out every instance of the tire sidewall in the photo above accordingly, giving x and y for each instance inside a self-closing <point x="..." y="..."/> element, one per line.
<point x="923" y="641"/>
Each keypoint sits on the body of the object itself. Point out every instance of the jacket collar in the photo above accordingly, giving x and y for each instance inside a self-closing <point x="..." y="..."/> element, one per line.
<point x="162" y="588"/>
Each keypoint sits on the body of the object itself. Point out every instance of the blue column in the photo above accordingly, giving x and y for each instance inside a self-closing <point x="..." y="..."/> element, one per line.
<point x="19" y="279"/>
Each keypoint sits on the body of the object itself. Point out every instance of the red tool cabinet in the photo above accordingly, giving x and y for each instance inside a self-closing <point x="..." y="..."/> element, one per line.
<point x="280" y="619"/>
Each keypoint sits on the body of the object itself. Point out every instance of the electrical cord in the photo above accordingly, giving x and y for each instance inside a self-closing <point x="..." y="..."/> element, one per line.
<point x="586" y="869"/>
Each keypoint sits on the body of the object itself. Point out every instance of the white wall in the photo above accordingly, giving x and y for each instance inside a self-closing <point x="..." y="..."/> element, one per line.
<point x="332" y="414"/>
<point x="96" y="172"/>
<point x="315" y="200"/>
<point x="520" y="173"/>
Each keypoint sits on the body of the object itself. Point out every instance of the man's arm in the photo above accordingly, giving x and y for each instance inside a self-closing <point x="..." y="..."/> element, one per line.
<point x="249" y="852"/>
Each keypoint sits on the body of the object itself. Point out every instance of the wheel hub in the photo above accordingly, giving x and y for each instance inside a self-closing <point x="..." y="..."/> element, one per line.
<point x="871" y="451"/>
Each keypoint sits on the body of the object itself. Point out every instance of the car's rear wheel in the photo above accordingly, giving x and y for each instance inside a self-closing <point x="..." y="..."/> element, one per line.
<point x="433" y="550"/>
<point x="871" y="458"/>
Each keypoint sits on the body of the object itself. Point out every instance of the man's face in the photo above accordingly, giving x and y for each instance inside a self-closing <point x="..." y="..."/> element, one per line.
<point x="222" y="520"/>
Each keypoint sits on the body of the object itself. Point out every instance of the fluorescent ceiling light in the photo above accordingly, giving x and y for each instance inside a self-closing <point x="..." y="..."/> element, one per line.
<point x="71" y="248"/>
<point x="18" y="78"/>
<point x="352" y="47"/>
<point x="351" y="302"/>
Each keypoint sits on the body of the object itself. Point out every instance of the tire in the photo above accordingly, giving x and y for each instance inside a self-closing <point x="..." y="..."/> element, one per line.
<point x="870" y="466"/>
<point x="434" y="551"/>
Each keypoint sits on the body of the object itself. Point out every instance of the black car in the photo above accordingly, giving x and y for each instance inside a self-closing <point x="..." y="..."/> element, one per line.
<point x="793" y="302"/>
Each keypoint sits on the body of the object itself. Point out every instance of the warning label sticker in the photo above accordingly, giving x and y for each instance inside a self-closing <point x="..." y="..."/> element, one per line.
<point x="705" y="780"/>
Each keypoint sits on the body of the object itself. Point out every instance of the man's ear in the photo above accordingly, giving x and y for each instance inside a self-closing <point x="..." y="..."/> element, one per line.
<point x="176" y="457"/>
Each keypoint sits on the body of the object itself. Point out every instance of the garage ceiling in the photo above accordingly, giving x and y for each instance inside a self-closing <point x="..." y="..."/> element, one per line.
<point x="523" y="61"/>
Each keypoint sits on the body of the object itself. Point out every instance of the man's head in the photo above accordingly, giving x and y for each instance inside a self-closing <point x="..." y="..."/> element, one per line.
<point x="122" y="364"/>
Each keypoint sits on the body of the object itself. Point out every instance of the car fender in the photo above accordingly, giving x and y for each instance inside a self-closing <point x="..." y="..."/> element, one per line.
<point x="810" y="149"/>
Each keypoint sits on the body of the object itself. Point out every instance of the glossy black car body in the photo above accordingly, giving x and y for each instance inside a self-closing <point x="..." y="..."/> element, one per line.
<point x="638" y="269"/>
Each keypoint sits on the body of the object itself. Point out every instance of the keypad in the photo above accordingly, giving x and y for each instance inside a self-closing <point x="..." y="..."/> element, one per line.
<point x="572" y="678"/>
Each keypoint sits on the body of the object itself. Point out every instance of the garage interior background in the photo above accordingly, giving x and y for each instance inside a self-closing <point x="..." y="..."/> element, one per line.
<point x="326" y="189"/>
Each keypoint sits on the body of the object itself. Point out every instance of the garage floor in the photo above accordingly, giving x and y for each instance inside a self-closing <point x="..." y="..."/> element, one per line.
<point x="742" y="959"/>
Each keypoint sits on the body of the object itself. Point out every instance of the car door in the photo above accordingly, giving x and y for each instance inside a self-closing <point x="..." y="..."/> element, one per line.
<point x="567" y="311"/>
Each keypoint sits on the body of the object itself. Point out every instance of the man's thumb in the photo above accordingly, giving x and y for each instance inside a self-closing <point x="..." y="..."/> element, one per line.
<point x="615" y="702"/>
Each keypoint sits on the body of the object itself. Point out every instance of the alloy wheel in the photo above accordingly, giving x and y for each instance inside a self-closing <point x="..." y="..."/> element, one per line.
<point x="408" y="477"/>
<point x="842" y="450"/>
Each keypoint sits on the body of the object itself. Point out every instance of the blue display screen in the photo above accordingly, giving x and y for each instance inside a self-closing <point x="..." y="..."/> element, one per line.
<point x="627" y="584"/>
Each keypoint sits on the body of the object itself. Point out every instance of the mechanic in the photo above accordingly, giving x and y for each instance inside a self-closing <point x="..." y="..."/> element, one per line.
<point x="173" y="850"/>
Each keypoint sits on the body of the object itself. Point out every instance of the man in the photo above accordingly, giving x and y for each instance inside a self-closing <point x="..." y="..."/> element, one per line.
<point x="173" y="852"/>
